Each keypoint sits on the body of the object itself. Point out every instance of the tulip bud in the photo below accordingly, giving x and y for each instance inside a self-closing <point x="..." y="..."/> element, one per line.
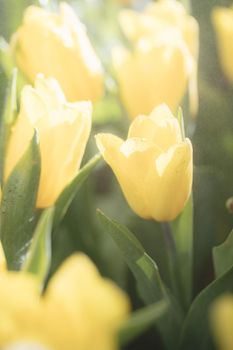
<point x="57" y="45"/>
<point x="222" y="322"/>
<point x="153" y="166"/>
<point x="223" y="23"/>
<point x="63" y="129"/>
<point x="163" y="60"/>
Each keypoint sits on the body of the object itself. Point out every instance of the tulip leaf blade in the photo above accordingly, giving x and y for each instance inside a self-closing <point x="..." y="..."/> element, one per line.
<point x="196" y="333"/>
<point x="67" y="195"/>
<point x="223" y="256"/>
<point x="18" y="214"/>
<point x="9" y="114"/>
<point x="140" y="321"/>
<point x="39" y="255"/>
<point x="150" y="285"/>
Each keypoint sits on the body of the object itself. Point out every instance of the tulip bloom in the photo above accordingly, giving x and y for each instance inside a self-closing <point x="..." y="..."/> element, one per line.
<point x="223" y="23"/>
<point x="63" y="130"/>
<point x="153" y="166"/>
<point x="79" y="309"/>
<point x="163" y="60"/>
<point x="222" y="322"/>
<point x="57" y="45"/>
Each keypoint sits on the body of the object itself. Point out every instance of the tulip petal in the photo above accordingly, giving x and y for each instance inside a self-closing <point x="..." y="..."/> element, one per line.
<point x="62" y="38"/>
<point x="62" y="162"/>
<point x="19" y="304"/>
<point x="223" y="22"/>
<point x="173" y="189"/>
<point x="161" y="127"/>
<point x="85" y="299"/>
<point x="152" y="65"/>
<point x="130" y="161"/>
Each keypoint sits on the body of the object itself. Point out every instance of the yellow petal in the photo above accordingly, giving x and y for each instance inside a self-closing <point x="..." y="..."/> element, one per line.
<point x="166" y="196"/>
<point x="161" y="127"/>
<point x="223" y="22"/>
<point x="20" y="308"/>
<point x="62" y="38"/>
<point x="130" y="161"/>
<point x="61" y="163"/>
<point x="161" y="23"/>
<point x="148" y="75"/>
<point x="63" y="129"/>
<point x="85" y="299"/>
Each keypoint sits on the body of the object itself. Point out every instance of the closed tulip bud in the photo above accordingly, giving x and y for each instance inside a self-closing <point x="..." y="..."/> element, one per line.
<point x="57" y="45"/>
<point x="63" y="129"/>
<point x="222" y="322"/>
<point x="153" y="166"/>
<point x="163" y="60"/>
<point x="223" y="23"/>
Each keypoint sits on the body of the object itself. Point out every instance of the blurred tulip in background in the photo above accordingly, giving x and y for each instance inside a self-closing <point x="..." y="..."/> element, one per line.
<point x="92" y="308"/>
<point x="223" y="23"/>
<point x="222" y="322"/>
<point x="57" y="45"/>
<point x="164" y="55"/>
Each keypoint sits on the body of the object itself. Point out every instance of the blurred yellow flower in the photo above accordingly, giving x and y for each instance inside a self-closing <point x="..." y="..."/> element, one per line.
<point x="79" y="309"/>
<point x="222" y="322"/>
<point x="163" y="59"/>
<point x="222" y="19"/>
<point x="56" y="44"/>
<point x="63" y="130"/>
<point x="153" y="166"/>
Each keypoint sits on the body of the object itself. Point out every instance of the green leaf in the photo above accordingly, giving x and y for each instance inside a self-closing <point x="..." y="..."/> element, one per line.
<point x="9" y="114"/>
<point x="183" y="235"/>
<point x="6" y="59"/>
<point x="146" y="273"/>
<point x="39" y="256"/>
<point x="195" y="334"/>
<point x="72" y="188"/>
<point x="18" y="205"/>
<point x="140" y="321"/>
<point x="223" y="256"/>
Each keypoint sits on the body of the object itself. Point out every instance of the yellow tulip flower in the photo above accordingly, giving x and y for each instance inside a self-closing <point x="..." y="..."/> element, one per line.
<point x="163" y="59"/>
<point x="79" y="309"/>
<point x="153" y="166"/>
<point x="160" y="16"/>
<point x="56" y="44"/>
<point x="63" y="129"/>
<point x="222" y="322"/>
<point x="223" y="23"/>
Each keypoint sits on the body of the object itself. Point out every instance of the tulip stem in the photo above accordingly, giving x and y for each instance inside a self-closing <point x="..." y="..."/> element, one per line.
<point x="172" y="259"/>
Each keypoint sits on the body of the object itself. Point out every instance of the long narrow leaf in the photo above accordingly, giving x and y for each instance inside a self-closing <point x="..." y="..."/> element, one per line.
<point x="18" y="205"/>
<point x="223" y="256"/>
<point x="140" y="321"/>
<point x="70" y="191"/>
<point x="39" y="255"/>
<point x="9" y="114"/>
<point x="146" y="273"/>
<point x="196" y="334"/>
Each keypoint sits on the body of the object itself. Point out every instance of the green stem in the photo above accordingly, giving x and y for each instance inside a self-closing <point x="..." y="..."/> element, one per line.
<point x="174" y="274"/>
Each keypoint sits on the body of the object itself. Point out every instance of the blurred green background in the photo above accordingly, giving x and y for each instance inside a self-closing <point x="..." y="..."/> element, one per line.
<point x="212" y="137"/>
